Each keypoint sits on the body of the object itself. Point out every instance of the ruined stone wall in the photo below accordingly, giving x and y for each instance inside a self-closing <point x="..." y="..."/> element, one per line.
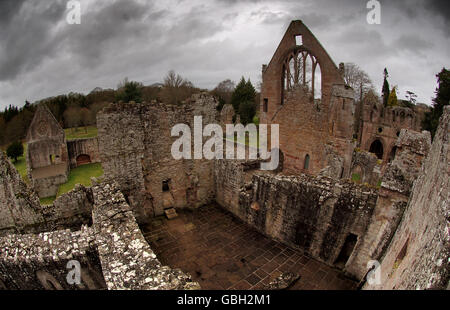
<point x="20" y="210"/>
<point x="385" y="123"/>
<point x="312" y="214"/>
<point x="418" y="256"/>
<point x="30" y="262"/>
<point x="48" y="186"/>
<point x="46" y="140"/>
<point x="71" y="210"/>
<point x="127" y="260"/>
<point x="230" y="176"/>
<point x="392" y="197"/>
<point x="226" y="116"/>
<point x="47" y="157"/>
<point x="80" y="147"/>
<point x="308" y="125"/>
<point x="144" y="162"/>
<point x="365" y="165"/>
<point x="112" y="252"/>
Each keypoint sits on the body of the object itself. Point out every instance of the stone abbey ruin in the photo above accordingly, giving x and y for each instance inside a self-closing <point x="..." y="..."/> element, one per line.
<point x="305" y="225"/>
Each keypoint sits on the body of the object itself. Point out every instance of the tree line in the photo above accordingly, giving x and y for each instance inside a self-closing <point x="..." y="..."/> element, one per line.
<point x="75" y="110"/>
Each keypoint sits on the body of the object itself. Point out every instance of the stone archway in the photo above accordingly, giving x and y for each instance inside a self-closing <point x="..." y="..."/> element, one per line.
<point x="83" y="159"/>
<point x="377" y="148"/>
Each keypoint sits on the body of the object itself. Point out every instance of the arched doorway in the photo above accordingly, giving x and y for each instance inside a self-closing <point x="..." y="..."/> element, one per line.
<point x="83" y="159"/>
<point x="377" y="148"/>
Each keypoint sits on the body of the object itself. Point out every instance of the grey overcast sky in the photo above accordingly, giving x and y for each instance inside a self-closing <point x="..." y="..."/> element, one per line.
<point x="207" y="41"/>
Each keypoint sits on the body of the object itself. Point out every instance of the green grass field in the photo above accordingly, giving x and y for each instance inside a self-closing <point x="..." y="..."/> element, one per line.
<point x="81" y="175"/>
<point x="21" y="164"/>
<point x="81" y="132"/>
<point x="47" y="201"/>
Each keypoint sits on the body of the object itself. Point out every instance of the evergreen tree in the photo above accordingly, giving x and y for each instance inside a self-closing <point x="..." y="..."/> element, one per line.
<point x="431" y="120"/>
<point x="243" y="100"/>
<point x="385" y="91"/>
<point x="15" y="150"/>
<point x="129" y="91"/>
<point x="243" y="92"/>
<point x="392" y="100"/>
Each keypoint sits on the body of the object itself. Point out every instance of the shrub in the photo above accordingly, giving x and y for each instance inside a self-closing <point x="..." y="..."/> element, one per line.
<point x="15" y="150"/>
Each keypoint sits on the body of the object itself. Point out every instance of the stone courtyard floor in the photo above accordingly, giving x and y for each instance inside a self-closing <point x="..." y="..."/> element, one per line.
<point x="222" y="252"/>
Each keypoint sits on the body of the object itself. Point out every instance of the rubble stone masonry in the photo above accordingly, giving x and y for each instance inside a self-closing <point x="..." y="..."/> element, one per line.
<point x="135" y="148"/>
<point x="418" y="256"/>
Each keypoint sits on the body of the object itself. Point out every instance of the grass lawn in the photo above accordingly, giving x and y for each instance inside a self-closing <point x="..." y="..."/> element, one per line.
<point x="81" y="132"/>
<point x="81" y="175"/>
<point x="21" y="165"/>
<point x="356" y="177"/>
<point x="47" y="201"/>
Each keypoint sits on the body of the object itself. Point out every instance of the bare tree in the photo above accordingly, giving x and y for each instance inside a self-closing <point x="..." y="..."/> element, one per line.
<point x="358" y="79"/>
<point x="72" y="117"/>
<point x="176" y="88"/>
<point x="97" y="107"/>
<point x="224" y="90"/>
<point x="86" y="118"/>
<point x="174" y="80"/>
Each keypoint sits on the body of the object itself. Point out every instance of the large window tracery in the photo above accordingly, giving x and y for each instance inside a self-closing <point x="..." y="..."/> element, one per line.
<point x="301" y="69"/>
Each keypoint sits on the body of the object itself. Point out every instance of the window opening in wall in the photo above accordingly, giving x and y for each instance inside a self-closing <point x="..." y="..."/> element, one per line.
<point x="299" y="40"/>
<point x="301" y="70"/>
<point x="265" y="104"/>
<point x="346" y="251"/>
<point x="165" y="185"/>
<point x="306" y="165"/>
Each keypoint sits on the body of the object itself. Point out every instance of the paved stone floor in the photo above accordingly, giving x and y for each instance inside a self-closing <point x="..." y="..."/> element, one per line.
<point x="222" y="252"/>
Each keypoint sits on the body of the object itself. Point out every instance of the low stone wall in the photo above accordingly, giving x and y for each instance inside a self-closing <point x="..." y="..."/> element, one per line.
<point x="128" y="261"/>
<point x="113" y="253"/>
<point x="71" y="210"/>
<point x="48" y="187"/>
<point x="79" y="147"/>
<point x="316" y="215"/>
<point x="30" y="262"/>
<point x="20" y="210"/>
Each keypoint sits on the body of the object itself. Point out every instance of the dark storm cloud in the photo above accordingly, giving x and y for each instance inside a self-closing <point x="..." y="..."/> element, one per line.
<point x="413" y="43"/>
<point x="112" y="26"/>
<point x="206" y="41"/>
<point x="8" y="9"/>
<point x="26" y="39"/>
